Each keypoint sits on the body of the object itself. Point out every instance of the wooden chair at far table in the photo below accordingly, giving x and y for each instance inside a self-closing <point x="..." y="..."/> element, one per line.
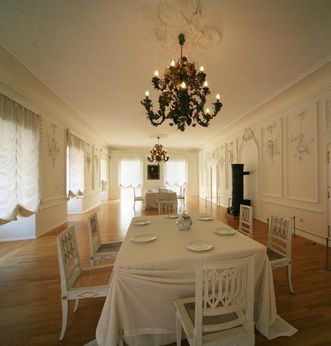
<point x="279" y="244"/>
<point x="98" y="250"/>
<point x="78" y="283"/>
<point x="222" y="310"/>
<point x="246" y="220"/>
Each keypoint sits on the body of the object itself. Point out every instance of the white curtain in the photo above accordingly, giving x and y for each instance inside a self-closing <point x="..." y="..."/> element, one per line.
<point x="19" y="160"/>
<point x="175" y="173"/>
<point x="75" y="166"/>
<point x="130" y="174"/>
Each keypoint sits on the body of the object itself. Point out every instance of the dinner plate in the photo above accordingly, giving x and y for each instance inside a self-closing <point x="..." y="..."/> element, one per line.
<point x="144" y="238"/>
<point x="224" y="231"/>
<point x="172" y="216"/>
<point x="205" y="217"/>
<point x="200" y="245"/>
<point x="141" y="222"/>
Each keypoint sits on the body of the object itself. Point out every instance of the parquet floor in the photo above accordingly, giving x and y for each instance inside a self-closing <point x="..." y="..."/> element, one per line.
<point x="30" y="308"/>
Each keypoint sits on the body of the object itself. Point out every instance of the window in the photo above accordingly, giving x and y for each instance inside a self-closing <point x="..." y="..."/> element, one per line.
<point x="75" y="166"/>
<point x="175" y="174"/>
<point x="130" y="174"/>
<point x="19" y="160"/>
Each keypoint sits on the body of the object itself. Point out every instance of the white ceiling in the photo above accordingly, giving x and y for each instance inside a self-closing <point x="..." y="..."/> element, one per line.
<point x="99" y="56"/>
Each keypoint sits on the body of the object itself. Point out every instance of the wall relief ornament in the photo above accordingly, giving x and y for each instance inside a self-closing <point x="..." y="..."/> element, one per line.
<point x="300" y="140"/>
<point x="222" y="158"/>
<point x="272" y="145"/>
<point x="248" y="135"/>
<point x="200" y="24"/>
<point x="52" y="145"/>
<point x="231" y="153"/>
<point x="88" y="158"/>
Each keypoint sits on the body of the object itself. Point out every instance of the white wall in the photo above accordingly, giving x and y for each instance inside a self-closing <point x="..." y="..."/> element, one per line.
<point x="19" y="84"/>
<point x="192" y="170"/>
<point x="283" y="144"/>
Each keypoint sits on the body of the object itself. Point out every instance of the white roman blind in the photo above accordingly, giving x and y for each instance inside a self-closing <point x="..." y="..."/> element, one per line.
<point x="75" y="166"/>
<point x="175" y="173"/>
<point x="130" y="174"/>
<point x="19" y="160"/>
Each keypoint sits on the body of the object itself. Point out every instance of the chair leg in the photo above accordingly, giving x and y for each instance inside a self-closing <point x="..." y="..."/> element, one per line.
<point x="76" y="305"/>
<point x="289" y="277"/>
<point x="178" y="330"/>
<point x="64" y="317"/>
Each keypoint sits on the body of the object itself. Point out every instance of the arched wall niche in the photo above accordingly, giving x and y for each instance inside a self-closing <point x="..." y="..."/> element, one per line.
<point x="249" y="155"/>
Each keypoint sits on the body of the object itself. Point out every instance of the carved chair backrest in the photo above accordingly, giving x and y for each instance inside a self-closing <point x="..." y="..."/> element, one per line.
<point x="135" y="190"/>
<point x="280" y="235"/>
<point x="68" y="255"/>
<point x="225" y="288"/>
<point x="94" y="235"/>
<point x="246" y="220"/>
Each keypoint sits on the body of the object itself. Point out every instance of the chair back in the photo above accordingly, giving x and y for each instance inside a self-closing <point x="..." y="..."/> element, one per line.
<point x="182" y="191"/>
<point x="166" y="207"/>
<point x="94" y="235"/>
<point x="223" y="289"/>
<point x="280" y="235"/>
<point x="68" y="255"/>
<point x="135" y="190"/>
<point x="246" y="220"/>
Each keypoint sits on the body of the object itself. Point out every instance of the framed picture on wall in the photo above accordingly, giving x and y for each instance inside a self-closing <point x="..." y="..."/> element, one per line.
<point x="153" y="172"/>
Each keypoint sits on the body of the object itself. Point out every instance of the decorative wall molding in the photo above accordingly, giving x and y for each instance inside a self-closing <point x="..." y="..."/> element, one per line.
<point x="317" y="209"/>
<point x="327" y="104"/>
<point x="52" y="145"/>
<point x="271" y="159"/>
<point x="300" y="139"/>
<point x="88" y="158"/>
<point x="248" y="135"/>
<point x="302" y="154"/>
<point x="273" y="143"/>
<point x="252" y="191"/>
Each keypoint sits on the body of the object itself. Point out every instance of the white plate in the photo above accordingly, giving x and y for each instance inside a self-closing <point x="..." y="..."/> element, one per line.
<point x="172" y="216"/>
<point x="141" y="222"/>
<point x="224" y="231"/>
<point x="200" y="245"/>
<point x="205" y="217"/>
<point x="144" y="238"/>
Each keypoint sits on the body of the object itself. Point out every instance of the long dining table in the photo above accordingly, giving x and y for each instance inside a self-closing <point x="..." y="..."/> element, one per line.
<point x="156" y="266"/>
<point x="152" y="197"/>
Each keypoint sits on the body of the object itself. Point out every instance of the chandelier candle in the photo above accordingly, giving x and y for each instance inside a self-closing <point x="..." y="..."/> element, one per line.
<point x="183" y="95"/>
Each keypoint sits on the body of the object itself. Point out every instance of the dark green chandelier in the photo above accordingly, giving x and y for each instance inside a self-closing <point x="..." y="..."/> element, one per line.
<point x="183" y="95"/>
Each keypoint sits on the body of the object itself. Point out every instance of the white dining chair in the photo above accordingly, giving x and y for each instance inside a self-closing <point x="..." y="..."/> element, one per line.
<point x="99" y="250"/>
<point x="246" y="220"/>
<point x="166" y="207"/>
<point x="136" y="197"/>
<point x="279" y="244"/>
<point x="182" y="195"/>
<point x="77" y="283"/>
<point x="221" y="312"/>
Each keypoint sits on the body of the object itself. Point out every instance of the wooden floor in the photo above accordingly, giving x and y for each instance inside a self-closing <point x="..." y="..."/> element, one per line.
<point x="30" y="308"/>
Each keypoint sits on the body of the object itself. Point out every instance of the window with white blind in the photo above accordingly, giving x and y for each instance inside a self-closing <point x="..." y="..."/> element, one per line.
<point x="175" y="174"/>
<point x="75" y="166"/>
<point x="130" y="174"/>
<point x="19" y="160"/>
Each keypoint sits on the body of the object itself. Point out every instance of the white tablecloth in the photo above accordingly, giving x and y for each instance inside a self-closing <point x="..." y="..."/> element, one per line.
<point x="153" y="197"/>
<point x="147" y="278"/>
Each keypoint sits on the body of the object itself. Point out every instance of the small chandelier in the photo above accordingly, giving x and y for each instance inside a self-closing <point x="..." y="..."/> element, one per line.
<point x="158" y="153"/>
<point x="183" y="95"/>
